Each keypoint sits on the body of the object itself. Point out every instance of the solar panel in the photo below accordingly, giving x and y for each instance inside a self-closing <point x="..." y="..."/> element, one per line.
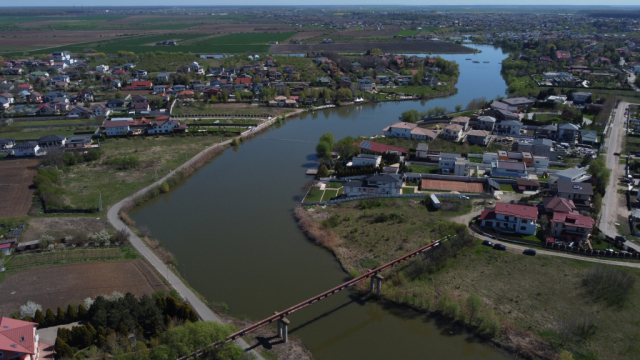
<point x="365" y="144"/>
<point x="576" y="186"/>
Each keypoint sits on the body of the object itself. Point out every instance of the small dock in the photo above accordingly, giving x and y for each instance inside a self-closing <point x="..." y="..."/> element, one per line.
<point x="312" y="171"/>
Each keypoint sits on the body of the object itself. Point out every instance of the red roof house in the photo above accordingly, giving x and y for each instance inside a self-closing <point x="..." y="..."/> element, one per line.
<point x="19" y="340"/>
<point x="243" y="81"/>
<point x="380" y="148"/>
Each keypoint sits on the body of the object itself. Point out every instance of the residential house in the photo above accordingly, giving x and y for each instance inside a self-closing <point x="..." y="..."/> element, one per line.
<point x="52" y="141"/>
<point x="165" y="125"/>
<point x="116" y="126"/>
<point x="580" y="97"/>
<point x="159" y="89"/>
<point x="447" y="162"/>
<point x="141" y="107"/>
<point x="20" y="340"/>
<point x="553" y="204"/>
<point x="365" y="84"/>
<point x="509" y="127"/>
<point x="80" y="111"/>
<point x="487" y="123"/>
<point x="409" y="131"/>
<point x="527" y="185"/>
<point x="29" y="148"/>
<point x="501" y="111"/>
<point x="462" y="121"/>
<point x="78" y="141"/>
<point x="579" y="193"/>
<point x="509" y="169"/>
<point x="479" y="137"/>
<point x="163" y="77"/>
<point x="323" y="81"/>
<point x="511" y="218"/>
<point x="378" y="184"/>
<point x="378" y="148"/>
<point x="102" y="68"/>
<point x="85" y="95"/>
<point x="589" y="137"/>
<point x="129" y="66"/>
<point x="140" y="85"/>
<point x="519" y="103"/>
<point x="115" y="103"/>
<point x="422" y="150"/>
<point x="54" y="94"/>
<point x="141" y="74"/>
<point x="568" y="132"/>
<point x="196" y="68"/>
<point x="547" y="132"/>
<point x="571" y="227"/>
<point x="366" y="160"/>
<point x="570" y="175"/>
<point x="100" y="110"/>
<point x="429" y="80"/>
<point x="35" y="97"/>
<point x="452" y="132"/>
<point x="6" y="144"/>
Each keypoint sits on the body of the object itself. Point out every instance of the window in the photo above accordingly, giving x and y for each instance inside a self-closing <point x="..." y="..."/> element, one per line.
<point x="523" y="228"/>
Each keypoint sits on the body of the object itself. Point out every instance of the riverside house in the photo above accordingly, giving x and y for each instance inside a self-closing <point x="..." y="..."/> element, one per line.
<point x="378" y="184"/>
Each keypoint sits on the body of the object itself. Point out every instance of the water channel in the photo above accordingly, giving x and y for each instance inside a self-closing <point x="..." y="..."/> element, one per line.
<point x="232" y="230"/>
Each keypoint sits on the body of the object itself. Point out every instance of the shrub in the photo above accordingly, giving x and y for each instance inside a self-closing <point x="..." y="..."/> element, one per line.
<point x="609" y="284"/>
<point x="123" y="162"/>
<point x="63" y="350"/>
<point x="60" y="316"/>
<point x="72" y="315"/>
<point x="29" y="309"/>
<point x="39" y="318"/>
<point x="164" y="187"/>
<point x="332" y="221"/>
<point x="49" y="318"/>
<point x="369" y="263"/>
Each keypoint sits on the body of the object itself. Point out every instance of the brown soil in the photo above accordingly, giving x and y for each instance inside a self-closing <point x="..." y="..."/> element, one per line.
<point x="47" y="38"/>
<point x="416" y="46"/>
<point x="63" y="284"/>
<point x="15" y="192"/>
<point x="60" y="227"/>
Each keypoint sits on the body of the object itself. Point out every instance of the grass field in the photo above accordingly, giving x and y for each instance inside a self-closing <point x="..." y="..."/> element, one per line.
<point x="314" y="195"/>
<point x="407" y="32"/>
<point x="423" y="169"/>
<point x="329" y="194"/>
<point x="19" y="133"/>
<point x="631" y="143"/>
<point x="83" y="182"/>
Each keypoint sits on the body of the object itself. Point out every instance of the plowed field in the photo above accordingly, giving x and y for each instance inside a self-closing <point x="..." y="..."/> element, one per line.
<point x="16" y="177"/>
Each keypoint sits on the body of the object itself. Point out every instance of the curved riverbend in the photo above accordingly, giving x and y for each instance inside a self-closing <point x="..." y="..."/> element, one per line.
<point x="232" y="231"/>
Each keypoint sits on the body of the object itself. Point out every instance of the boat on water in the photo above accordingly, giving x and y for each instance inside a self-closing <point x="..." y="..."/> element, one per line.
<point x="468" y="59"/>
<point x="486" y="62"/>
<point x="358" y="100"/>
<point x="475" y="61"/>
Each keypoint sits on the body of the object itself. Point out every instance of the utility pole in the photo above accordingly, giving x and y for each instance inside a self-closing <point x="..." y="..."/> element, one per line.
<point x="155" y="171"/>
<point x="100" y="201"/>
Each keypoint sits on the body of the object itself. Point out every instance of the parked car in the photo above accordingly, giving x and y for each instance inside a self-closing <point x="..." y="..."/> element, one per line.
<point x="487" y="243"/>
<point x="529" y="252"/>
<point x="616" y="154"/>
<point x="499" y="247"/>
<point x="621" y="238"/>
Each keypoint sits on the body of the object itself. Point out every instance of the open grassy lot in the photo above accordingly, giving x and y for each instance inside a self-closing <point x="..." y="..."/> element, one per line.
<point x="83" y="182"/>
<point x="230" y="109"/>
<point x="440" y="144"/>
<point x="19" y="133"/>
<point x="423" y="169"/>
<point x="329" y="194"/>
<point x="631" y="143"/>
<point x="407" y="32"/>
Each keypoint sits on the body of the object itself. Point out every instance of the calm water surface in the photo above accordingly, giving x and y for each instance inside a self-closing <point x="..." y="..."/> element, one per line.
<point x="232" y="231"/>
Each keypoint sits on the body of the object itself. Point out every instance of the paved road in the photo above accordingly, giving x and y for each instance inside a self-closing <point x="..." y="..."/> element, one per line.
<point x="610" y="204"/>
<point x="203" y="311"/>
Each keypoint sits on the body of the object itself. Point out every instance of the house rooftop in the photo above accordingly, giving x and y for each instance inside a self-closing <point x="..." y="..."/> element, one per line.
<point x="575" y="188"/>
<point x="511" y="165"/>
<point x="520" y="211"/>
<point x="570" y="219"/>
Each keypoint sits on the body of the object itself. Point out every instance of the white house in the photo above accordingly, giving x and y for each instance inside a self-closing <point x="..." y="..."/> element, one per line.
<point x="540" y="162"/>
<point x="453" y="132"/>
<point x="509" y="169"/>
<point x="511" y="218"/>
<point x="165" y="126"/>
<point x="571" y="227"/>
<point x="366" y="84"/>
<point x="366" y="160"/>
<point x="509" y="127"/>
<point x="580" y="97"/>
<point x="102" y="68"/>
<point x="487" y="123"/>
<point x="409" y="131"/>
<point x="389" y="184"/>
<point x="30" y="148"/>
<point x="196" y="68"/>
<point x="447" y="162"/>
<point x="117" y="126"/>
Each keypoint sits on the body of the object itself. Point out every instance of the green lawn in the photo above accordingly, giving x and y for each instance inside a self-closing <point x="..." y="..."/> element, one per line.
<point x="407" y="32"/>
<point x="314" y="195"/>
<point x="329" y="194"/>
<point x="84" y="182"/>
<point x="408" y="190"/>
<point x="423" y="169"/>
<point x="507" y="188"/>
<point x="334" y="185"/>
<point x="475" y="160"/>
<point x="19" y="133"/>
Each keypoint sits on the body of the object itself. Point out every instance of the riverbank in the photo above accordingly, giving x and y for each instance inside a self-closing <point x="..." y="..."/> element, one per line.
<point x="117" y="216"/>
<point x="540" y="303"/>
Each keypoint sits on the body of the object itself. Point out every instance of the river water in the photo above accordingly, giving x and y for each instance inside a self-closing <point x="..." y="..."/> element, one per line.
<point x="232" y="230"/>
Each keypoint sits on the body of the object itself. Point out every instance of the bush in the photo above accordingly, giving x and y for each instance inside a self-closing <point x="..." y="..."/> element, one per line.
<point x="123" y="162"/>
<point x="609" y="284"/>
<point x="332" y="221"/>
<point x="49" y="318"/>
<point x="164" y="187"/>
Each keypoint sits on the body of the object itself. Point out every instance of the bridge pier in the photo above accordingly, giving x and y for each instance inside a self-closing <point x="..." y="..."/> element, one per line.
<point x="283" y="324"/>
<point x="376" y="282"/>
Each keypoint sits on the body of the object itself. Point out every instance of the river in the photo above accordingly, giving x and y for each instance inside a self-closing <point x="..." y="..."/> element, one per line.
<point x="232" y="230"/>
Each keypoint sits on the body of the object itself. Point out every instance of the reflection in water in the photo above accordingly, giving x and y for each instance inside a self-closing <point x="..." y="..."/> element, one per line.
<point x="232" y="230"/>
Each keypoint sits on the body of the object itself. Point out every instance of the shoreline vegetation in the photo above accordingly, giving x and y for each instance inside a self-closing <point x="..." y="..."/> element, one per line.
<point x="532" y="307"/>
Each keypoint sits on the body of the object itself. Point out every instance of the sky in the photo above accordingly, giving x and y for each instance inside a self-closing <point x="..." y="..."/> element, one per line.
<point x="56" y="3"/>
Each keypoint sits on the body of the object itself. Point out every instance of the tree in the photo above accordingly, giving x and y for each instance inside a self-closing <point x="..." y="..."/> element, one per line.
<point x="458" y="108"/>
<point x="328" y="138"/>
<point x="410" y="116"/>
<point x="323" y="171"/>
<point x="72" y="315"/>
<point x="39" y="318"/>
<point x="117" y="95"/>
<point x="82" y="312"/>
<point x="62" y="349"/>
<point x="599" y="170"/>
<point x="164" y="187"/>
<point x="597" y="204"/>
<point x="49" y="318"/>
<point x="60" y="316"/>
<point x="185" y="339"/>
<point x="323" y="150"/>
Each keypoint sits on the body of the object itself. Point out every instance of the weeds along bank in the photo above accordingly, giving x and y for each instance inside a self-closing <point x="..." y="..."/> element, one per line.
<point x="539" y="307"/>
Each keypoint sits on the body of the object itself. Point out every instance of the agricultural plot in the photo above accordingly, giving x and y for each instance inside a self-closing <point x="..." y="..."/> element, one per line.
<point x="15" y="191"/>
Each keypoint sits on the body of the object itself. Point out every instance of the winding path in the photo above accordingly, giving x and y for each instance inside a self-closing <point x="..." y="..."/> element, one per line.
<point x="112" y="215"/>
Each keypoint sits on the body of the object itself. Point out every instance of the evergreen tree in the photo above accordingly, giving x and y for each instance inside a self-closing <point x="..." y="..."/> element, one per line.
<point x="72" y="315"/>
<point x="49" y="318"/>
<point x="60" y="317"/>
<point x="39" y="318"/>
<point x="62" y="349"/>
<point x="82" y="312"/>
<point x="102" y="342"/>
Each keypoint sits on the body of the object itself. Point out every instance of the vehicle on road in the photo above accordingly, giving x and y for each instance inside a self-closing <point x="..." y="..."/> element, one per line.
<point x="621" y="238"/>
<point x="487" y="243"/>
<point x="616" y="154"/>
<point x="529" y="252"/>
<point x="499" y="247"/>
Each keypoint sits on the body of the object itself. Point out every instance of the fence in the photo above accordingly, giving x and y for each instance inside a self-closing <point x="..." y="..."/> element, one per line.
<point x="367" y="197"/>
<point x="566" y="248"/>
<point x="34" y="258"/>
